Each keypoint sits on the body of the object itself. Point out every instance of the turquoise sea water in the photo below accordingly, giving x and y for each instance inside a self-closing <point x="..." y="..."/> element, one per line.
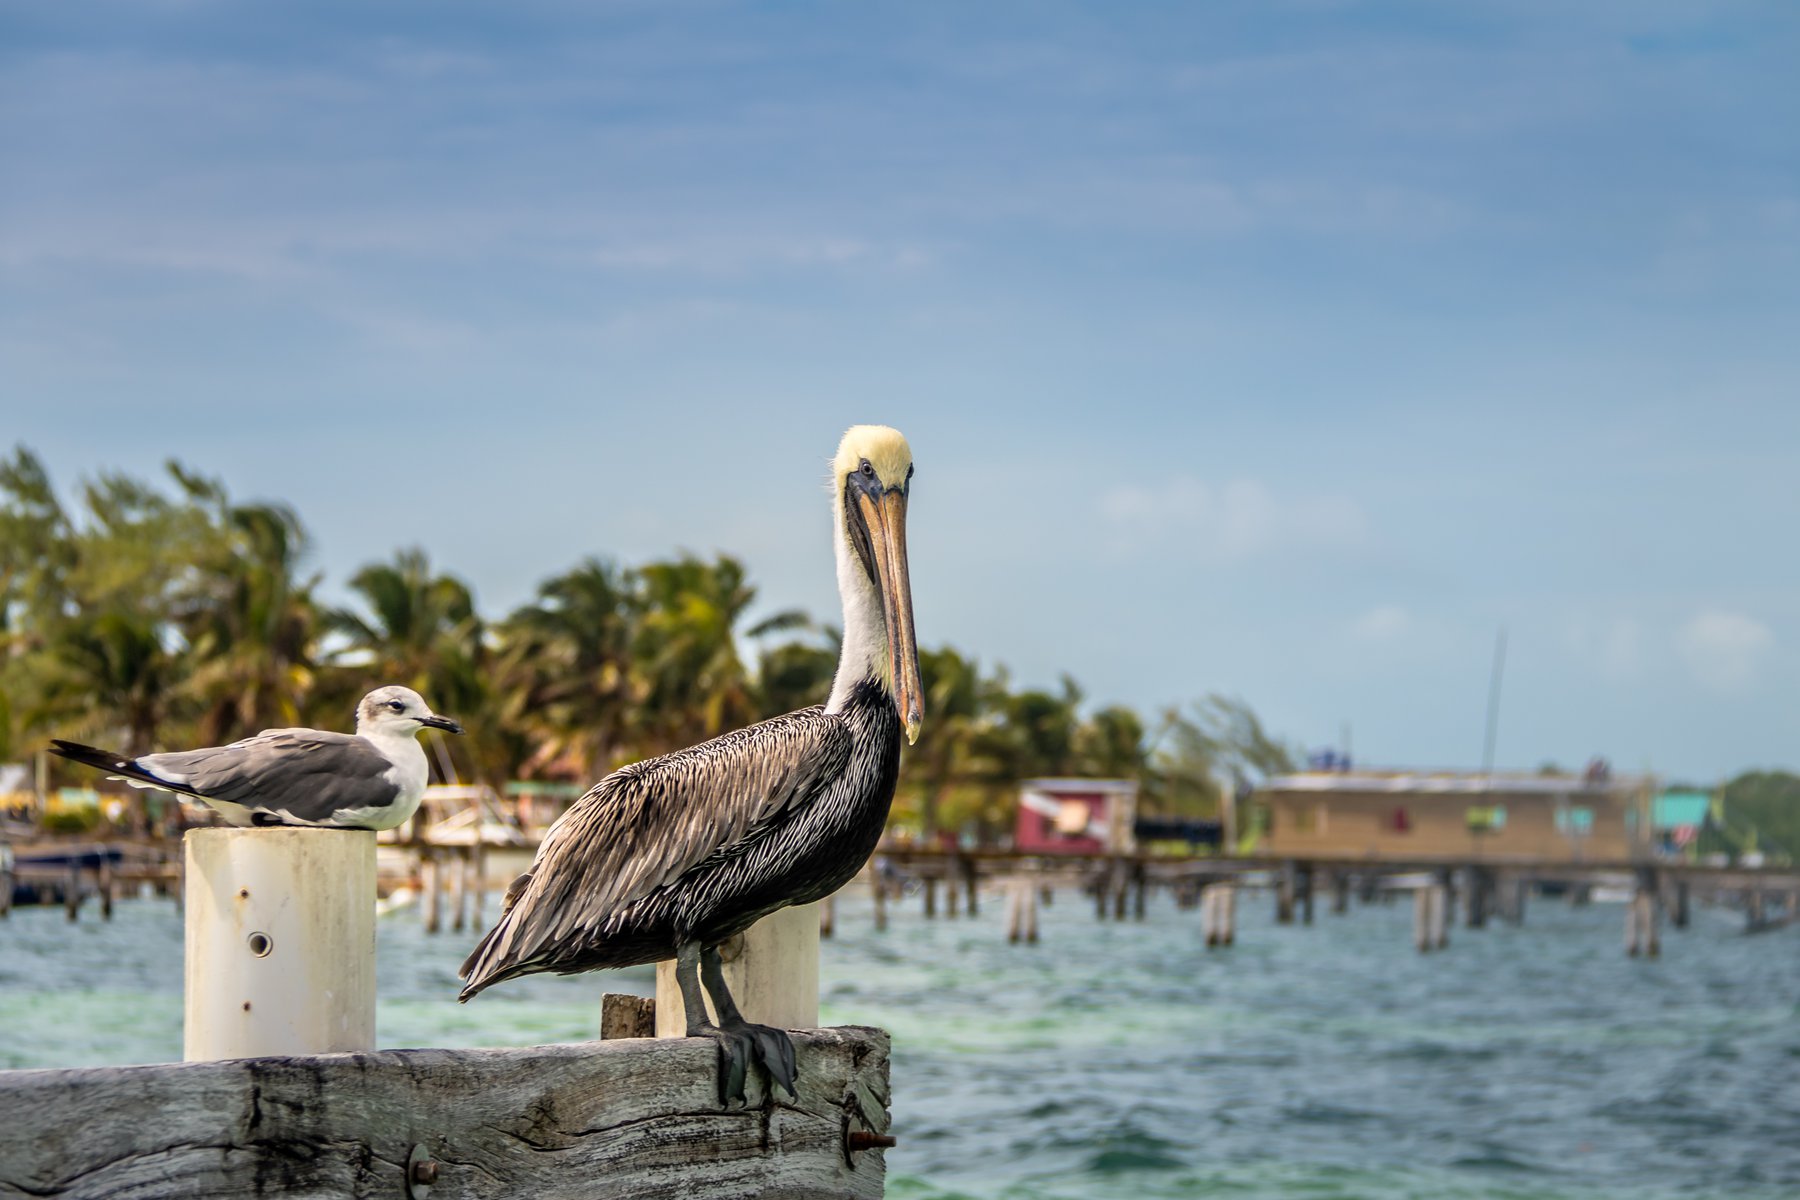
<point x="1125" y="1060"/>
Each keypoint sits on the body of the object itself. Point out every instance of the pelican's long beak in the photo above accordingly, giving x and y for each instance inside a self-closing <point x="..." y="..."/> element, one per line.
<point x="885" y="519"/>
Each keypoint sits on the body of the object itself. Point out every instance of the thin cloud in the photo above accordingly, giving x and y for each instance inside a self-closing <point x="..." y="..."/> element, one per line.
<point x="1239" y="519"/>
<point x="1383" y="623"/>
<point x="1724" y="649"/>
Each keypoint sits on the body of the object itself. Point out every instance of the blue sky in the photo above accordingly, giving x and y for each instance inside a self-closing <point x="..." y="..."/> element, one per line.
<point x="1286" y="350"/>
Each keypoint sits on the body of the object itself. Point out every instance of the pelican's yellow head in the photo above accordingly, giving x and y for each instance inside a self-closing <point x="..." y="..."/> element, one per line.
<point x="873" y="473"/>
<point x="878" y="448"/>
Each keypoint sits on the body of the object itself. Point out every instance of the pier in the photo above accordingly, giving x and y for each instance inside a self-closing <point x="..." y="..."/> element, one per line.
<point x="1480" y="889"/>
<point x="284" y="1094"/>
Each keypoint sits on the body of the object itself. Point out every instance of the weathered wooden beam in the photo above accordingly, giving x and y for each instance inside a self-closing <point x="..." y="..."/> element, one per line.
<point x="633" y="1118"/>
<point x="625" y="1016"/>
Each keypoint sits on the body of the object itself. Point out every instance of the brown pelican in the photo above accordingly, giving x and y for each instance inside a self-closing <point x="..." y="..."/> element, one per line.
<point x="669" y="857"/>
<point x="368" y="780"/>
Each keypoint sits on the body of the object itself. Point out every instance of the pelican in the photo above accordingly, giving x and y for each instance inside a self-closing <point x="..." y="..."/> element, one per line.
<point x="669" y="857"/>
<point x="371" y="779"/>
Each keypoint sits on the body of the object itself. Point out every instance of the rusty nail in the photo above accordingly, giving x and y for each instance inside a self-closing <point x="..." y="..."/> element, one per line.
<point x="425" y="1172"/>
<point x="862" y="1139"/>
<point x="243" y="893"/>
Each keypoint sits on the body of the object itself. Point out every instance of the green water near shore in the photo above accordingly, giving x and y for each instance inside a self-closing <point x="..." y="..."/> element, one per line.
<point x="1125" y="1060"/>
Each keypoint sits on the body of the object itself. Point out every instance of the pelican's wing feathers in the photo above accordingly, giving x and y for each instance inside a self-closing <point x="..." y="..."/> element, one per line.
<point x="645" y="825"/>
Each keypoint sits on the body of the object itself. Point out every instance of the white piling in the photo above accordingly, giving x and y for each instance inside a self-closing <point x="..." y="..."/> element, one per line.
<point x="1641" y="933"/>
<point x="459" y="893"/>
<point x="280" y="942"/>
<point x="1422" y="920"/>
<point x="772" y="971"/>
<point x="878" y="891"/>
<point x="1227" y="913"/>
<point x="1209" y="915"/>
<point x="477" y="866"/>
<point x="1021" y="910"/>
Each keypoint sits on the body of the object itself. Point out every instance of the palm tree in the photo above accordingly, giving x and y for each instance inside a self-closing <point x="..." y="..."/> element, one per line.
<point x="109" y="674"/>
<point x="685" y="651"/>
<point x="953" y="699"/>
<point x="795" y="674"/>
<point x="1110" y="744"/>
<point x="564" y="671"/>
<point x="252" y="625"/>
<point x="419" y="629"/>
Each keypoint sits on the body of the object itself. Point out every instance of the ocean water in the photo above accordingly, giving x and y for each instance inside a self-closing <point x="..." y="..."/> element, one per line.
<point x="1125" y="1060"/>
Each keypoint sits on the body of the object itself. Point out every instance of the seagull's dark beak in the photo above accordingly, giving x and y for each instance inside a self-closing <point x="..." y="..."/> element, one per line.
<point x="445" y="723"/>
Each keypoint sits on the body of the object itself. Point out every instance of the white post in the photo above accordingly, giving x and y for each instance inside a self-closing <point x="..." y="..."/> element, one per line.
<point x="772" y="971"/>
<point x="1422" y="919"/>
<point x="1227" y="913"/>
<point x="280" y="942"/>
<point x="1209" y="914"/>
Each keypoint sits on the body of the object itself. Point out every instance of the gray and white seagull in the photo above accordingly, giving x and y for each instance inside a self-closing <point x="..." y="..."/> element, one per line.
<point x="371" y="779"/>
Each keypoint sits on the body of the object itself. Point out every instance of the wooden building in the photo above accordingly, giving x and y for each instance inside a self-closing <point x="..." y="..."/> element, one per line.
<point x="1076" y="816"/>
<point x="1593" y="817"/>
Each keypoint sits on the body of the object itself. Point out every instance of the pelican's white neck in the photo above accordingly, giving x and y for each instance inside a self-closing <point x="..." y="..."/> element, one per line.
<point x="865" y="650"/>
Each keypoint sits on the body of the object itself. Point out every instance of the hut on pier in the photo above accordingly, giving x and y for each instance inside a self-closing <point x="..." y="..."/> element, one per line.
<point x="1596" y="816"/>
<point x="1076" y="816"/>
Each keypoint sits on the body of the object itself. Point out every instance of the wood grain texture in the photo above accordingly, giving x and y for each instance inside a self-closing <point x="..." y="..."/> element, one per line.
<point x="623" y="1016"/>
<point x="627" y="1118"/>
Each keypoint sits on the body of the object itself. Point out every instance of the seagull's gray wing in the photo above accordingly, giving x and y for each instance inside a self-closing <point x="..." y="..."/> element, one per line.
<point x="300" y="774"/>
<point x="642" y="827"/>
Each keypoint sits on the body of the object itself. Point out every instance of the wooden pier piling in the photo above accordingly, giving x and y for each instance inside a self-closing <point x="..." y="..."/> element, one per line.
<point x="1021" y="910"/>
<point x="1431" y="917"/>
<point x="1285" y="888"/>
<point x="1641" y="933"/>
<point x="771" y="969"/>
<point x="878" y="893"/>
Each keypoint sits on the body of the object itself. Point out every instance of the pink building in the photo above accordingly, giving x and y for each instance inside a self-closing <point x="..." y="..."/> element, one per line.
<point x="1076" y="816"/>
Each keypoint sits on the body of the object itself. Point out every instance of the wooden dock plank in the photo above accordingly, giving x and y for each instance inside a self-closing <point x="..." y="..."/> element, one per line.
<point x="629" y="1118"/>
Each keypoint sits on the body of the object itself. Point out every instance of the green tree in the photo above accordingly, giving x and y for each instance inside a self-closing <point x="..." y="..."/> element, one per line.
<point x="416" y="628"/>
<point x="796" y="674"/>
<point x="685" y="651"/>
<point x="564" y="671"/>
<point x="251" y="623"/>
<point x="954" y="696"/>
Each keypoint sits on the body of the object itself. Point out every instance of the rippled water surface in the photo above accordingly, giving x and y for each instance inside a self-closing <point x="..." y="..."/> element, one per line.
<point x="1125" y="1060"/>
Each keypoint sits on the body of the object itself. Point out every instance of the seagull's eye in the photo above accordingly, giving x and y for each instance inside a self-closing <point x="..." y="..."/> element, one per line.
<point x="867" y="470"/>
<point x="397" y="705"/>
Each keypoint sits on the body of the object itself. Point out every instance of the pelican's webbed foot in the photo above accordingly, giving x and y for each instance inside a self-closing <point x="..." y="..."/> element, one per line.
<point x="742" y="1043"/>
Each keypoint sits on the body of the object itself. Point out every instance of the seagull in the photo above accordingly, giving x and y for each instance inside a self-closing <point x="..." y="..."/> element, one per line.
<point x="371" y="779"/>
<point x="668" y="857"/>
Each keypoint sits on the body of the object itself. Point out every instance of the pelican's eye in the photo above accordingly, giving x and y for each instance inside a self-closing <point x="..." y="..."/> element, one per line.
<point x="397" y="705"/>
<point x="867" y="470"/>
